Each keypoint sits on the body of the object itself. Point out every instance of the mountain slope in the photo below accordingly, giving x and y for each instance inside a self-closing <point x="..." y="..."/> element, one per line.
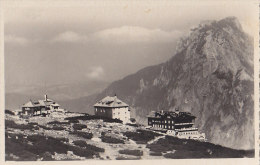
<point x="211" y="76"/>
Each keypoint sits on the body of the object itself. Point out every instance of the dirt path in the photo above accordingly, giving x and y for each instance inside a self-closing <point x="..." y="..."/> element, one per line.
<point x="155" y="139"/>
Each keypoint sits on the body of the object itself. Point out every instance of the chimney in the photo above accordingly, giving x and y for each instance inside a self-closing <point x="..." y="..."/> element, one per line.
<point x="45" y="97"/>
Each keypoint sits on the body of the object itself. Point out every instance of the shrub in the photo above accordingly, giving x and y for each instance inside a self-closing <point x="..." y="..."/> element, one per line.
<point x="82" y="134"/>
<point x="132" y="120"/>
<point x="73" y="121"/>
<point x="62" y="139"/>
<point x="83" y="144"/>
<point x="57" y="122"/>
<point x="131" y="152"/>
<point x="141" y="136"/>
<point x="44" y="115"/>
<point x="182" y="154"/>
<point x="47" y="156"/>
<point x="33" y="123"/>
<point x="27" y="156"/>
<point x="83" y="152"/>
<point x="155" y="153"/>
<point x="79" y="126"/>
<point x="43" y="147"/>
<point x="7" y="111"/>
<point x="133" y="125"/>
<point x="12" y="124"/>
<point x="57" y="128"/>
<point x="36" y="138"/>
<point x="108" y="139"/>
<point x="44" y="127"/>
<point x="185" y="148"/>
<point x="89" y="117"/>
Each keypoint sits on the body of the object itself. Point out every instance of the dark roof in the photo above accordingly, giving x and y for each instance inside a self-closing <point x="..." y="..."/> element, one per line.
<point x="29" y="104"/>
<point x="176" y="116"/>
<point x="110" y="102"/>
<point x="40" y="103"/>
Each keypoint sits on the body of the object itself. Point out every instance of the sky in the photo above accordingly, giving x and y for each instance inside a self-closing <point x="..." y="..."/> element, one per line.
<point x="57" y="42"/>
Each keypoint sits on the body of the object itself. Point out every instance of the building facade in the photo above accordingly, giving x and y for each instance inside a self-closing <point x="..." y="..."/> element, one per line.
<point x="112" y="107"/>
<point x="171" y="120"/>
<point x="180" y="124"/>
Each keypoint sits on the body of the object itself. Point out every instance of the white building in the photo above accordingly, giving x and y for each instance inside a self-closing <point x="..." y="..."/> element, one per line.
<point x="113" y="108"/>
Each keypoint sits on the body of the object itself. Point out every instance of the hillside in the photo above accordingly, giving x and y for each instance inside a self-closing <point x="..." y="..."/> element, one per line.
<point x="73" y="136"/>
<point x="211" y="76"/>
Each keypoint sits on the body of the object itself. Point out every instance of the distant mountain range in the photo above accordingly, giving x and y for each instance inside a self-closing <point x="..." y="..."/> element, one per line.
<point x="16" y="96"/>
<point x="210" y="75"/>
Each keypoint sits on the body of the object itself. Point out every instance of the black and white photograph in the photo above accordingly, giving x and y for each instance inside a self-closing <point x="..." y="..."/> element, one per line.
<point x="130" y="80"/>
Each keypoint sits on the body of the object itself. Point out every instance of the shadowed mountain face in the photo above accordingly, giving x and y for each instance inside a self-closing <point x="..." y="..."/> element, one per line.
<point x="211" y="76"/>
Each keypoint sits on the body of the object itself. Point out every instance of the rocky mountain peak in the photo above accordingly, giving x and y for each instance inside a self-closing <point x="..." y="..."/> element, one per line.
<point x="217" y="45"/>
<point x="210" y="75"/>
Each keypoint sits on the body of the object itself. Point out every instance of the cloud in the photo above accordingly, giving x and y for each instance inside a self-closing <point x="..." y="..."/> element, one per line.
<point x="120" y="35"/>
<point x="135" y="34"/>
<point x="12" y="39"/>
<point x="96" y="72"/>
<point x="69" y="36"/>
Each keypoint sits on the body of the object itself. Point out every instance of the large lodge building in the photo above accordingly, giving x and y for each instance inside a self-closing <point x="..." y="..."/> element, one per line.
<point x="171" y="120"/>
<point x="112" y="107"/>
<point x="180" y="124"/>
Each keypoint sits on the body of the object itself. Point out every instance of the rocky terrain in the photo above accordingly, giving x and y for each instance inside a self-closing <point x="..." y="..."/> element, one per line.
<point x="210" y="75"/>
<point x="75" y="136"/>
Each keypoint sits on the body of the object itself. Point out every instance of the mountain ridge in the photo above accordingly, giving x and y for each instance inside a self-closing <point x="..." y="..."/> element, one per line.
<point x="211" y="76"/>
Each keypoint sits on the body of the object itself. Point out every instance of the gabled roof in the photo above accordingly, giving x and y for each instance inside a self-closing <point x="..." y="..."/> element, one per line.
<point x="176" y="116"/>
<point x="110" y="102"/>
<point x="29" y="104"/>
<point x="40" y="103"/>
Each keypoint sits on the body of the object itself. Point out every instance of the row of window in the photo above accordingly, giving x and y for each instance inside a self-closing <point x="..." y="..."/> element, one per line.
<point x="102" y="110"/>
<point x="165" y="121"/>
<point x="162" y="126"/>
<point x="188" y="133"/>
<point x="117" y="113"/>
